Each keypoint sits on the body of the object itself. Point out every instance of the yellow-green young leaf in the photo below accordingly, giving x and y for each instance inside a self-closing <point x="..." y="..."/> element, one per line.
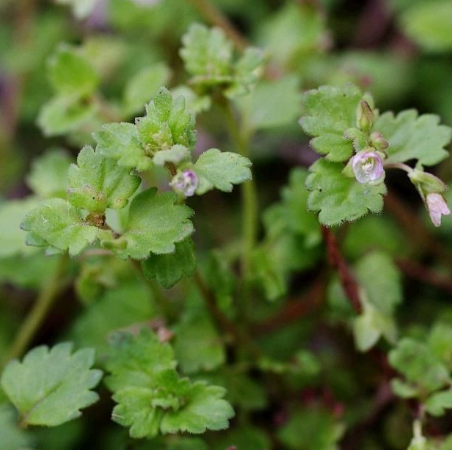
<point x="11" y="436"/>
<point x="207" y="54"/>
<point x="328" y="112"/>
<point x="152" y="397"/>
<point x="338" y="198"/>
<point x="70" y="73"/>
<point x="63" y="114"/>
<point x="414" y="137"/>
<point x="121" y="142"/>
<point x="428" y="24"/>
<point x="97" y="183"/>
<point x="221" y="170"/>
<point x="141" y="87"/>
<point x="50" y="387"/>
<point x="156" y="223"/>
<point x="56" y="223"/>
<point x="48" y="176"/>
<point x="175" y="155"/>
<point x="166" y="123"/>
<point x="169" y="269"/>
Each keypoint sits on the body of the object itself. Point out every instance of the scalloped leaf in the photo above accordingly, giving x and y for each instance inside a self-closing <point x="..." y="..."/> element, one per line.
<point x="338" y="198"/>
<point x="97" y="183"/>
<point x="50" y="386"/>
<point x="328" y="112"/>
<point x="411" y="136"/>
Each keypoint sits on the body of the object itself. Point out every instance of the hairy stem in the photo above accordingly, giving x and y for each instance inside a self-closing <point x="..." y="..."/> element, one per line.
<point x="39" y="312"/>
<point x="215" y="17"/>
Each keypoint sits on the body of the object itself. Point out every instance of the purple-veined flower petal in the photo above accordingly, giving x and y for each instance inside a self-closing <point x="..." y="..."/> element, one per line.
<point x="367" y="166"/>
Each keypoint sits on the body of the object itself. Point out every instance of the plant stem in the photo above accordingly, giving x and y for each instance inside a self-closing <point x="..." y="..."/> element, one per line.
<point x="39" y="312"/>
<point x="241" y="137"/>
<point x="215" y="17"/>
<point x="400" y="166"/>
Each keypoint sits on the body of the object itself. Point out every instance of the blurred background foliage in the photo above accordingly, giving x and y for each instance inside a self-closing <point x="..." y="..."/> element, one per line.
<point x="330" y="396"/>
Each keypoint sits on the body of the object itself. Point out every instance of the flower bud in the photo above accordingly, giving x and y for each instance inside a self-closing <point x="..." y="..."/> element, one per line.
<point x="378" y="141"/>
<point x="427" y="182"/>
<point x="368" y="167"/>
<point x="364" y="116"/>
<point x="185" y="183"/>
<point x="437" y="207"/>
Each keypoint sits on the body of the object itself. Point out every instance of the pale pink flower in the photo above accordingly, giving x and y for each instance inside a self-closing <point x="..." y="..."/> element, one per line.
<point x="185" y="183"/>
<point x="437" y="207"/>
<point x="367" y="167"/>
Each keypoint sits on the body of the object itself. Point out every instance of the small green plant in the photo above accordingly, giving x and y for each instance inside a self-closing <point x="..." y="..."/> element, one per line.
<point x="184" y="300"/>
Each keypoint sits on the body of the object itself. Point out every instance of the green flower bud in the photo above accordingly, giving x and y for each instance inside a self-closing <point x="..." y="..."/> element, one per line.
<point x="378" y="141"/>
<point x="427" y="182"/>
<point x="364" y="117"/>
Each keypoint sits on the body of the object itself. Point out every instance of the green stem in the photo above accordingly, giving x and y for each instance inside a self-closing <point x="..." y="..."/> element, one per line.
<point x="39" y="312"/>
<point x="241" y="137"/>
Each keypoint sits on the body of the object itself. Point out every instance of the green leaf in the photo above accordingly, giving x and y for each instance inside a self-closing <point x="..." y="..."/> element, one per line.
<point x="439" y="340"/>
<point x="121" y="142"/>
<point x="58" y="224"/>
<point x="12" y="238"/>
<point x="221" y="170"/>
<point x="414" y="137"/>
<point x="12" y="437"/>
<point x="97" y="183"/>
<point x="338" y="198"/>
<point x="71" y="74"/>
<point x="50" y="387"/>
<point x="142" y="87"/>
<point x="273" y="103"/>
<point x="207" y="54"/>
<point x="437" y="403"/>
<point x="175" y="155"/>
<point x="166" y="123"/>
<point x="428" y="24"/>
<point x="152" y="397"/>
<point x="328" y="112"/>
<point x="247" y="71"/>
<point x="204" y="410"/>
<point x="418" y="365"/>
<point x="61" y="115"/>
<point x="156" y="223"/>
<point x="244" y="437"/>
<point x="48" y="176"/>
<point x="169" y="269"/>
<point x="135" y="360"/>
<point x="197" y="345"/>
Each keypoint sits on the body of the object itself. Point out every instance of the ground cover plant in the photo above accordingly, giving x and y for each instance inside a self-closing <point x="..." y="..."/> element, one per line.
<point x="225" y="225"/>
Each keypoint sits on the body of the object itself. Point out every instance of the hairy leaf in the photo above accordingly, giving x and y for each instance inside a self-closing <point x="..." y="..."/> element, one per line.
<point x="156" y="223"/>
<point x="221" y="170"/>
<point x="56" y="223"/>
<point x="338" y="198"/>
<point x="121" y="142"/>
<point x="328" y="112"/>
<point x="97" y="183"/>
